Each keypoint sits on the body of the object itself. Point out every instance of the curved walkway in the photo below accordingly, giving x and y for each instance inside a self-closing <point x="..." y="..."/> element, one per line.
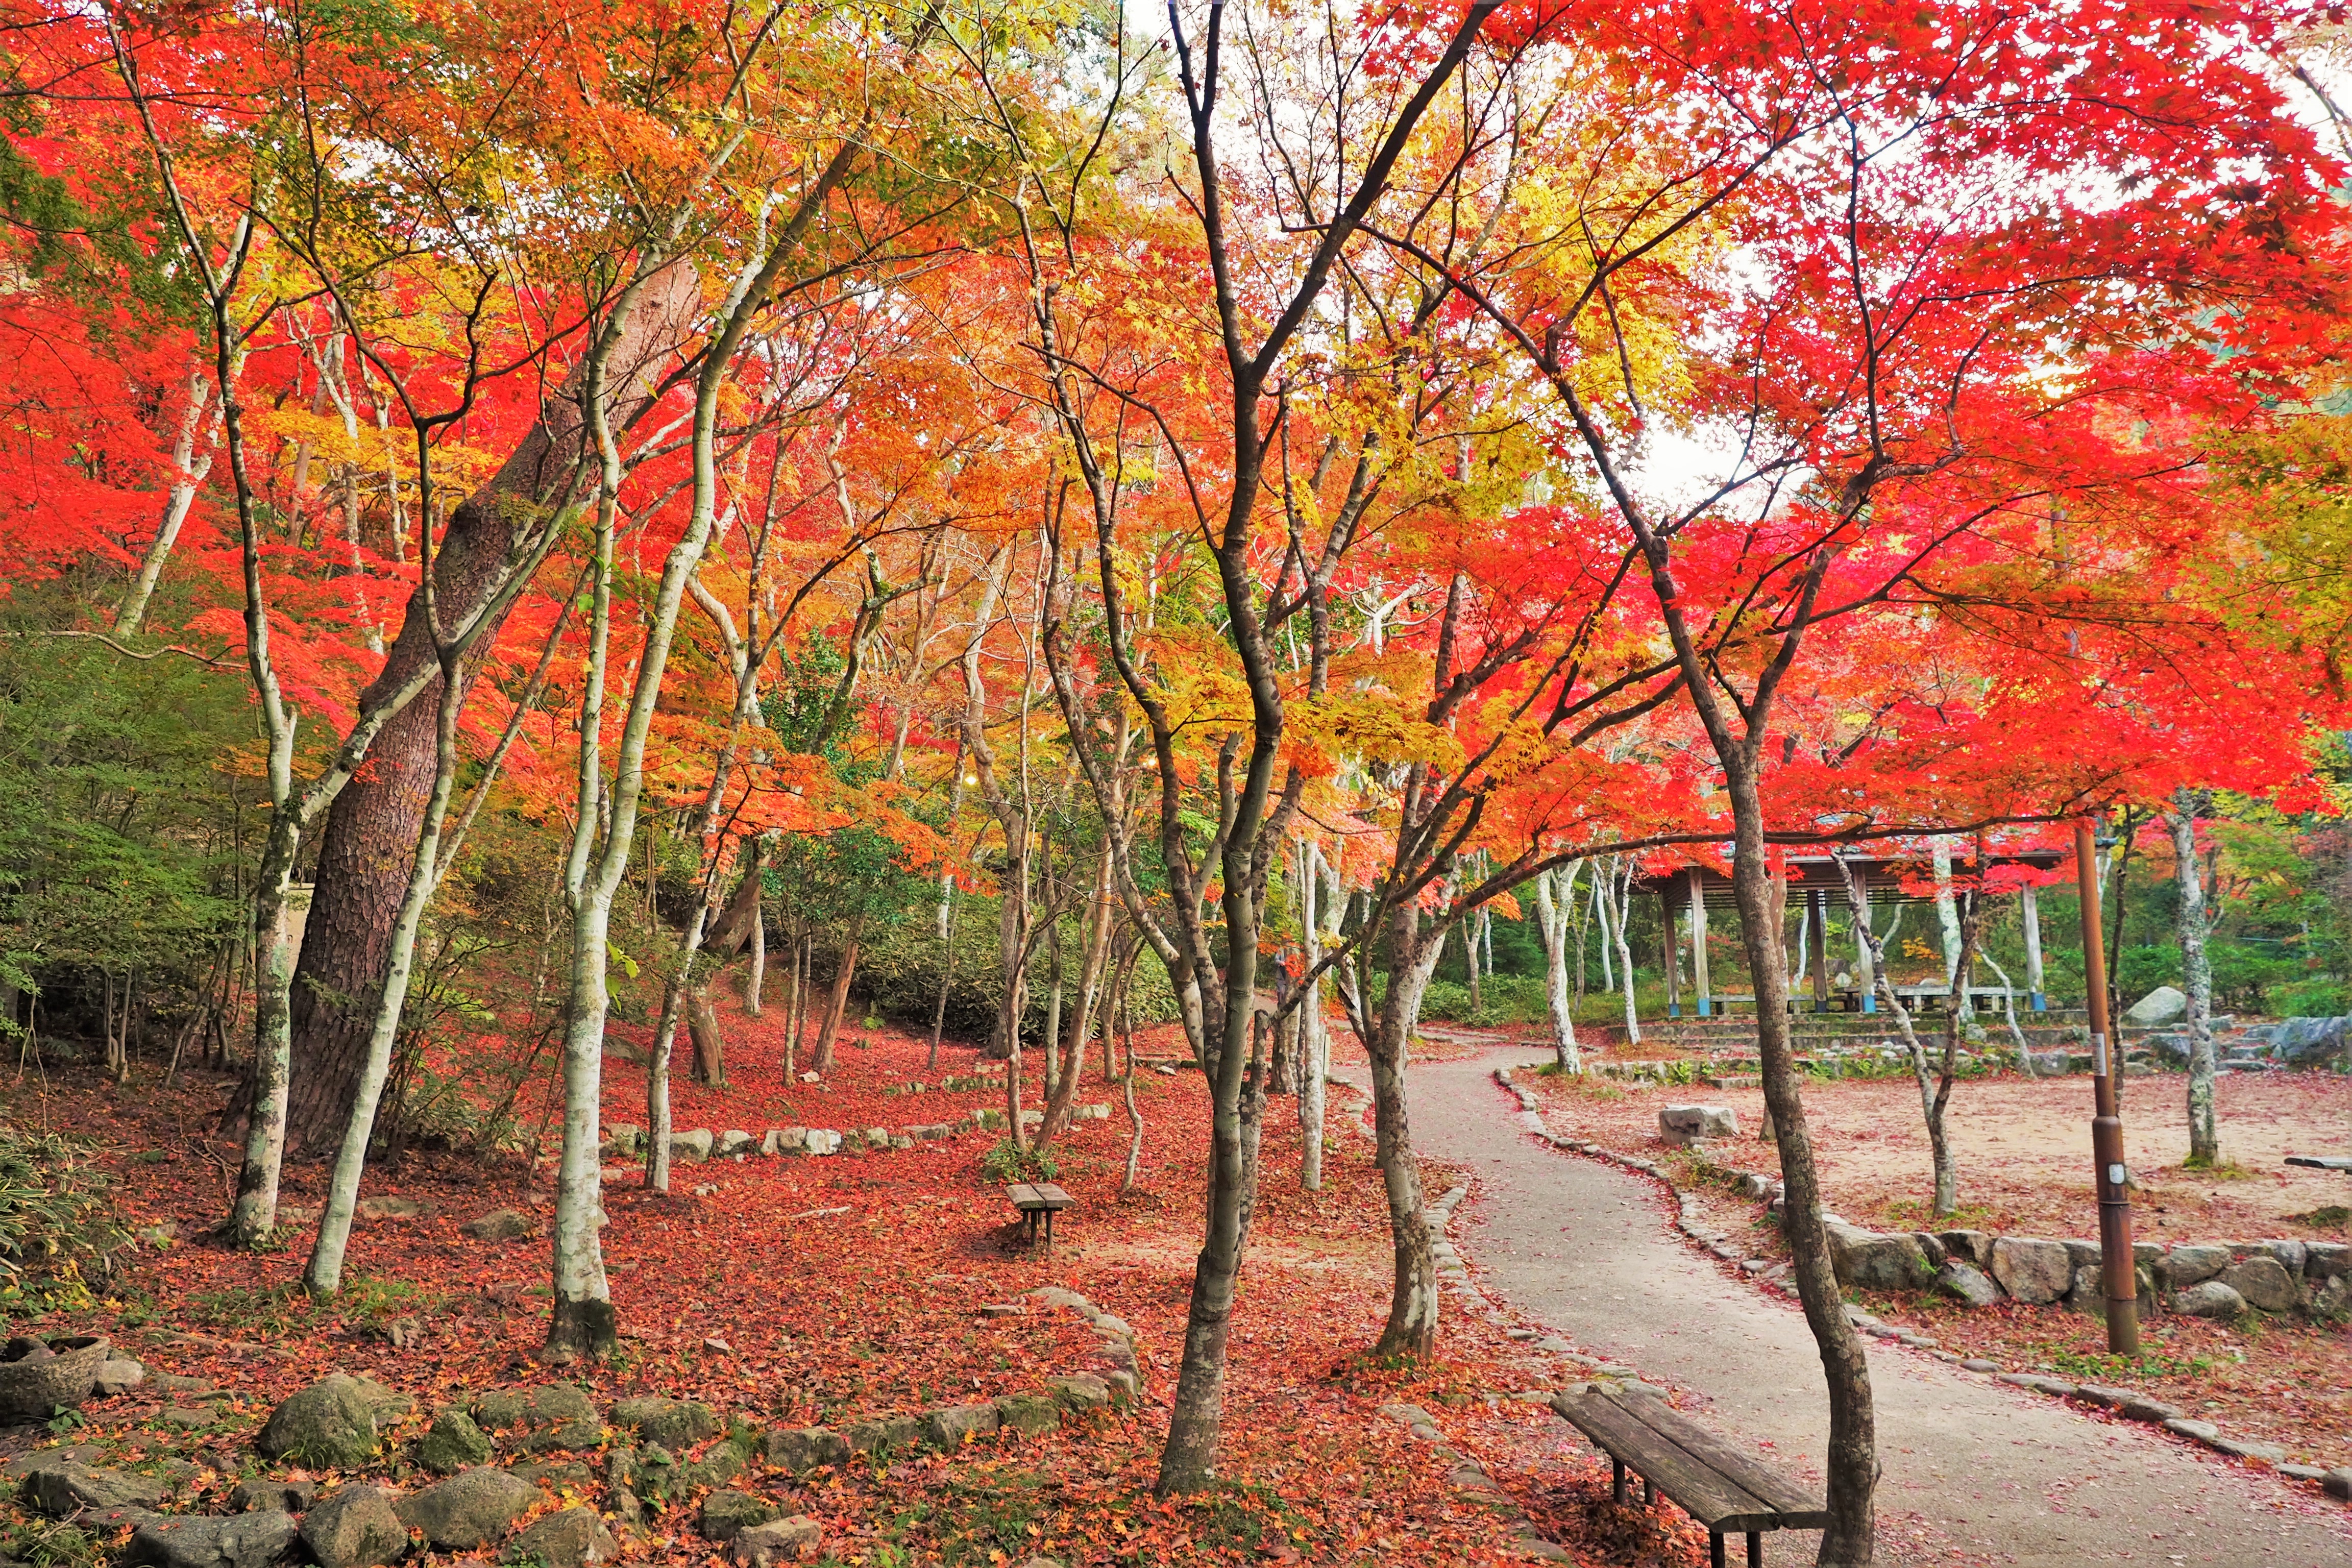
<point x="1997" y="1473"/>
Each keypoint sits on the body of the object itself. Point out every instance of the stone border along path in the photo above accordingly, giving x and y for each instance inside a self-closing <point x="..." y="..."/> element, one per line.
<point x="2127" y="1404"/>
<point x="1971" y="1464"/>
<point x="354" y="1424"/>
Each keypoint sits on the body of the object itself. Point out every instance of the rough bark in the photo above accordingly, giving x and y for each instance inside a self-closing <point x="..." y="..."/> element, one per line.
<point x="2197" y="975"/>
<point x="836" y="1000"/>
<point x="1411" y="1330"/>
<point x="369" y="842"/>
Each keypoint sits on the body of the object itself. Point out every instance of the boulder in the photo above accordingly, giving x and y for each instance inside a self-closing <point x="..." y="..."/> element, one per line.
<point x="500" y="1224"/>
<point x="694" y="1145"/>
<point x="1085" y="1391"/>
<point x="672" y="1423"/>
<point x="386" y="1207"/>
<point x="1968" y="1283"/>
<point x="67" y="1486"/>
<point x="1931" y="1247"/>
<point x="950" y="1425"/>
<point x="1683" y="1125"/>
<point x="2327" y="1259"/>
<point x="468" y="1510"/>
<point x="568" y="1538"/>
<point x="2291" y="1255"/>
<point x="799" y="1450"/>
<point x="2185" y="1265"/>
<point x="1031" y="1414"/>
<point x="117" y="1376"/>
<point x="239" y="1540"/>
<point x="785" y="1141"/>
<point x="2308" y="1042"/>
<point x="727" y="1514"/>
<point x="2209" y="1299"/>
<point x="1968" y="1246"/>
<point x="355" y="1528"/>
<point x="453" y="1443"/>
<point x="541" y="1420"/>
<point x="2263" y="1283"/>
<point x="2161" y="1005"/>
<point x="622" y="1140"/>
<point x="734" y="1141"/>
<point x="892" y="1434"/>
<point x="821" y="1141"/>
<point x="332" y="1425"/>
<point x="2090" y="1291"/>
<point x="2338" y="1483"/>
<point x="794" y="1540"/>
<point x="720" y="1463"/>
<point x="1870" y="1261"/>
<point x="260" y="1495"/>
<point x="2034" y="1272"/>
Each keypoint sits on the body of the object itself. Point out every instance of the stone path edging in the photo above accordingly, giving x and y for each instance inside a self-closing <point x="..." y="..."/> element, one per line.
<point x="2336" y="1480"/>
<point x="1469" y="1476"/>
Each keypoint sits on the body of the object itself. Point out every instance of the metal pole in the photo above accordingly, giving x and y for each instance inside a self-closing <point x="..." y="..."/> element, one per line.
<point x="2115" y="1268"/>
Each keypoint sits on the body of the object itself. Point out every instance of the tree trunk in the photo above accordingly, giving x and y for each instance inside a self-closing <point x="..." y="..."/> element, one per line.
<point x="2197" y="975"/>
<point x="1553" y="918"/>
<point x="1625" y="953"/>
<point x="709" y="1043"/>
<point x="1314" y="1029"/>
<point x="757" y="976"/>
<point x="369" y="842"/>
<point x="1411" y="1327"/>
<point x="838" y="998"/>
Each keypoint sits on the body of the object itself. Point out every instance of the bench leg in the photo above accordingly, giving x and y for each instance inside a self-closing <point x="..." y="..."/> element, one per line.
<point x="1715" y="1549"/>
<point x="1621" y="1479"/>
<point x="1755" y="1549"/>
<point x="1649" y="1492"/>
<point x="1049" y="1230"/>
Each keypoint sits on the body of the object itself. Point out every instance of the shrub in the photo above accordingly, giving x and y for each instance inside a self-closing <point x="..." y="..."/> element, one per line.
<point x="56" y="1214"/>
<point x="1007" y="1163"/>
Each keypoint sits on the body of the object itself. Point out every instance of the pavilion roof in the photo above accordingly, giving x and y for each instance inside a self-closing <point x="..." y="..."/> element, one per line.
<point x="1884" y="874"/>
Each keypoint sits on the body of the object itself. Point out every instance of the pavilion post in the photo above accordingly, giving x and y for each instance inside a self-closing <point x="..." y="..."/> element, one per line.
<point x="2033" y="950"/>
<point x="1817" y="912"/>
<point x="1865" y="971"/>
<point x="1698" y="944"/>
<point x="1672" y="940"/>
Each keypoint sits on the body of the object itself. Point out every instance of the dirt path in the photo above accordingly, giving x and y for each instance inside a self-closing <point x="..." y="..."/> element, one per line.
<point x="1973" y="1468"/>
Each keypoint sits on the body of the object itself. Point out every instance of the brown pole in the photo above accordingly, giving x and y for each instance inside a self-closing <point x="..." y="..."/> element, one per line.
<point x="2116" y="1267"/>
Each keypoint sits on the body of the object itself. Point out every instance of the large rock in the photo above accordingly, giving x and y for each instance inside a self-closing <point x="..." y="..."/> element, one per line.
<point x="950" y="1425"/>
<point x="890" y="1435"/>
<point x="2264" y="1283"/>
<point x="799" y="1450"/>
<point x="821" y="1141"/>
<point x="1870" y="1261"/>
<point x="795" y="1539"/>
<point x="2035" y="1272"/>
<point x="500" y="1224"/>
<point x="67" y="1486"/>
<point x="2327" y="1259"/>
<point x="1684" y="1125"/>
<point x="694" y="1145"/>
<point x="2307" y="1042"/>
<point x="1968" y="1246"/>
<point x="1031" y="1414"/>
<point x="2161" y="1005"/>
<point x="541" y="1420"/>
<point x="785" y="1141"/>
<point x="263" y="1494"/>
<point x="1082" y="1390"/>
<point x="118" y="1375"/>
<point x="389" y="1205"/>
<point x="1968" y="1283"/>
<point x="721" y="1462"/>
<point x="239" y="1540"/>
<point x="568" y="1538"/>
<point x="672" y="1423"/>
<point x="735" y="1141"/>
<point x="468" y="1510"/>
<point x="727" y="1514"/>
<point x="332" y="1425"/>
<point x="2209" y="1299"/>
<point x="355" y="1529"/>
<point x="2185" y="1265"/>
<point x="453" y="1443"/>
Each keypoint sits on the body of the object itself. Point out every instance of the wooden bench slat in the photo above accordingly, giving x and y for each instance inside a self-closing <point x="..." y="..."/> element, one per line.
<point x="1717" y="1503"/>
<point x="1798" y="1509"/>
<point x="1038" y="1196"/>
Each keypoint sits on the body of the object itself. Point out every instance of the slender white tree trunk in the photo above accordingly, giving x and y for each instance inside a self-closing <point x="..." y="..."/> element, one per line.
<point x="1552" y="915"/>
<point x="188" y="472"/>
<point x="1626" y="952"/>
<point x="1314" y="1029"/>
<point x="2197" y="972"/>
<point x="1948" y="921"/>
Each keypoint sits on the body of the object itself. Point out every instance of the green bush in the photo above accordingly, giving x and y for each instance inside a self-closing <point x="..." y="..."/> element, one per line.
<point x="56" y="1215"/>
<point x="1008" y="1162"/>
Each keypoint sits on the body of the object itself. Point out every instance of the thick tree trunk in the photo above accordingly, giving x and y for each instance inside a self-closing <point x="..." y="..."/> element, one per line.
<point x="2197" y="975"/>
<point x="756" y="976"/>
<point x="709" y="1043"/>
<point x="370" y="840"/>
<point x="837" y="999"/>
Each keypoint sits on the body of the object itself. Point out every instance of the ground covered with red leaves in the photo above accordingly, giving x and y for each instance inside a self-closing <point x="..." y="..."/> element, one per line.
<point x="787" y="1291"/>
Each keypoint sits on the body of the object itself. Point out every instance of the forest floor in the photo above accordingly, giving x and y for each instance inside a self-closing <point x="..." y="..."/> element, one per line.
<point x="803" y="1289"/>
<point x="2022" y="1148"/>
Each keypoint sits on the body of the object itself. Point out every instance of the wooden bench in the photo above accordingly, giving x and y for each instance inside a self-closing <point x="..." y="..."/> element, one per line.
<point x="1037" y="1200"/>
<point x="2322" y="1161"/>
<point x="1729" y="1492"/>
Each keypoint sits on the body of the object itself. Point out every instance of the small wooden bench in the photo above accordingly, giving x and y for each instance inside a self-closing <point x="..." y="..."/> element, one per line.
<point x="1037" y="1200"/>
<point x="1729" y="1492"/>
<point x="2342" y="1162"/>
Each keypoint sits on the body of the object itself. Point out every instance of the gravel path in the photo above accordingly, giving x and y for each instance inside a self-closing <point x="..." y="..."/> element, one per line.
<point x="1973" y="1468"/>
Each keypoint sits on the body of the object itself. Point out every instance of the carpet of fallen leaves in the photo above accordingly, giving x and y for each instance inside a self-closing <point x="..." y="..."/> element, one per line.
<point x="822" y="1289"/>
<point x="2282" y="1380"/>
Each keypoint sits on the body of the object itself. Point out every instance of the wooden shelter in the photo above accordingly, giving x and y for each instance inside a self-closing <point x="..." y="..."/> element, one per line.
<point x="1815" y="880"/>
